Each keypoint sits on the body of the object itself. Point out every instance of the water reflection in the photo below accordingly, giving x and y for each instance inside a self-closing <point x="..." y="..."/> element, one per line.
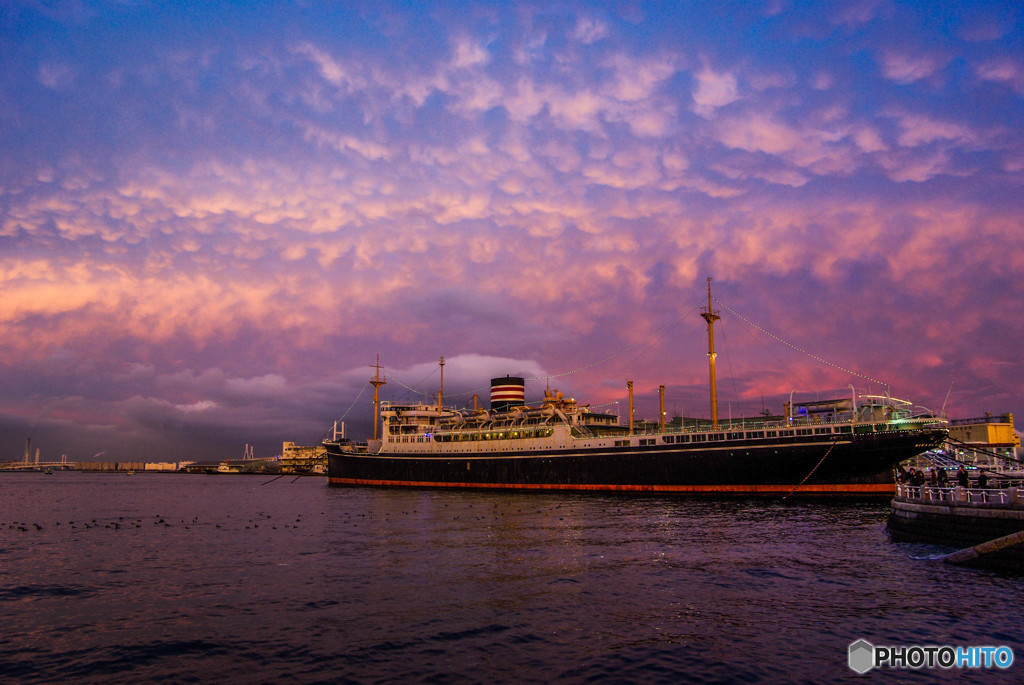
<point x="190" y="577"/>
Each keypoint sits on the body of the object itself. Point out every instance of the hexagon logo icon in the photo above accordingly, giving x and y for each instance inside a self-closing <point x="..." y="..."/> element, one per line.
<point x="862" y="656"/>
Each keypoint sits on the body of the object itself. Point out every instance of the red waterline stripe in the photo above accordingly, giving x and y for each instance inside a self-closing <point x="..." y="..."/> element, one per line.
<point x="837" y="488"/>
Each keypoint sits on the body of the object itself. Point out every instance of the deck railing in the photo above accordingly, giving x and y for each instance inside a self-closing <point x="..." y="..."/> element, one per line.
<point x="1010" y="493"/>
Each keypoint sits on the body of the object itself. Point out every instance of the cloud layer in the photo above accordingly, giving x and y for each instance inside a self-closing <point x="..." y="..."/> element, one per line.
<point x="211" y="221"/>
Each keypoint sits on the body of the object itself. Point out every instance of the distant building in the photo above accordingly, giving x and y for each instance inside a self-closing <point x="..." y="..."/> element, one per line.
<point x="303" y="459"/>
<point x="110" y="466"/>
<point x="166" y="466"/>
<point x="976" y="440"/>
<point x="162" y="466"/>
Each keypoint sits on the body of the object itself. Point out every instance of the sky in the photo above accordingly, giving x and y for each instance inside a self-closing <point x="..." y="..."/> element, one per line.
<point x="214" y="216"/>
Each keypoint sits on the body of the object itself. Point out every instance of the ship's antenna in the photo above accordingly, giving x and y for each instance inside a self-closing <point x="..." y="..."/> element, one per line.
<point x="943" y="412"/>
<point x="376" y="382"/>
<point x="711" y="316"/>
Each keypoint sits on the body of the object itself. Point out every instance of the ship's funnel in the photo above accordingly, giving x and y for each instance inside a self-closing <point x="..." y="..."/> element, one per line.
<point x="506" y="392"/>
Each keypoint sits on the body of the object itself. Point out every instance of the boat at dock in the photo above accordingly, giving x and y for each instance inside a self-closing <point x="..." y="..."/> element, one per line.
<point x="846" y="446"/>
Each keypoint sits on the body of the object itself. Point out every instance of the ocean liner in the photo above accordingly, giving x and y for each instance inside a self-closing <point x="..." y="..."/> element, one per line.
<point x="842" y="446"/>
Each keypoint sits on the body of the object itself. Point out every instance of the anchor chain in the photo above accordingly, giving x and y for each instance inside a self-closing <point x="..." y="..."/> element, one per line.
<point x="797" y="487"/>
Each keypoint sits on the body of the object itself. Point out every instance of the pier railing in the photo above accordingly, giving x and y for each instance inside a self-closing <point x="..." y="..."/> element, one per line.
<point x="1012" y="495"/>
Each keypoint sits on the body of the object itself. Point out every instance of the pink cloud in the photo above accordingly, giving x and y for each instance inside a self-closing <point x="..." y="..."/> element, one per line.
<point x="1003" y="70"/>
<point x="590" y="30"/>
<point x="920" y="129"/>
<point x="56" y="75"/>
<point x="905" y="68"/>
<point x="714" y="90"/>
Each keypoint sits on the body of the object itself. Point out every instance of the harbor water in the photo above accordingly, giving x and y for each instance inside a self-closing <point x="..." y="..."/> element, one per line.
<point x="186" y="578"/>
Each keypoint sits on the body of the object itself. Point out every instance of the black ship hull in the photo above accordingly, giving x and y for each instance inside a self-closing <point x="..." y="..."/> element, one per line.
<point x="855" y="465"/>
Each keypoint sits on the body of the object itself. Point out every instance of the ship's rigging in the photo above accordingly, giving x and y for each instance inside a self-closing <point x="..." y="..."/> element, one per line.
<point x="709" y="314"/>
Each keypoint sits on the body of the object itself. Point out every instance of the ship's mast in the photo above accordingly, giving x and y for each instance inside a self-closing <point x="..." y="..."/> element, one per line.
<point x="629" y="386"/>
<point x="440" y="393"/>
<point x="711" y="316"/>
<point x="376" y="382"/>
<point x="661" y="408"/>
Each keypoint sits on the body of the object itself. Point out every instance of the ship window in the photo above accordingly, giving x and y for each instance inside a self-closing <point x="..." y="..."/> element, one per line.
<point x="771" y="434"/>
<point x="845" y="429"/>
<point x="683" y="438"/>
<point x="669" y="439"/>
<point x="735" y="436"/>
<point x="700" y="438"/>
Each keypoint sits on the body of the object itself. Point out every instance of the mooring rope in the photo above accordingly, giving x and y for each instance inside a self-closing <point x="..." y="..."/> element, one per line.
<point x="980" y="450"/>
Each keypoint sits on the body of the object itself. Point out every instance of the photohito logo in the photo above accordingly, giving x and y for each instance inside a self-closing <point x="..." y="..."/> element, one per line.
<point x="864" y="656"/>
